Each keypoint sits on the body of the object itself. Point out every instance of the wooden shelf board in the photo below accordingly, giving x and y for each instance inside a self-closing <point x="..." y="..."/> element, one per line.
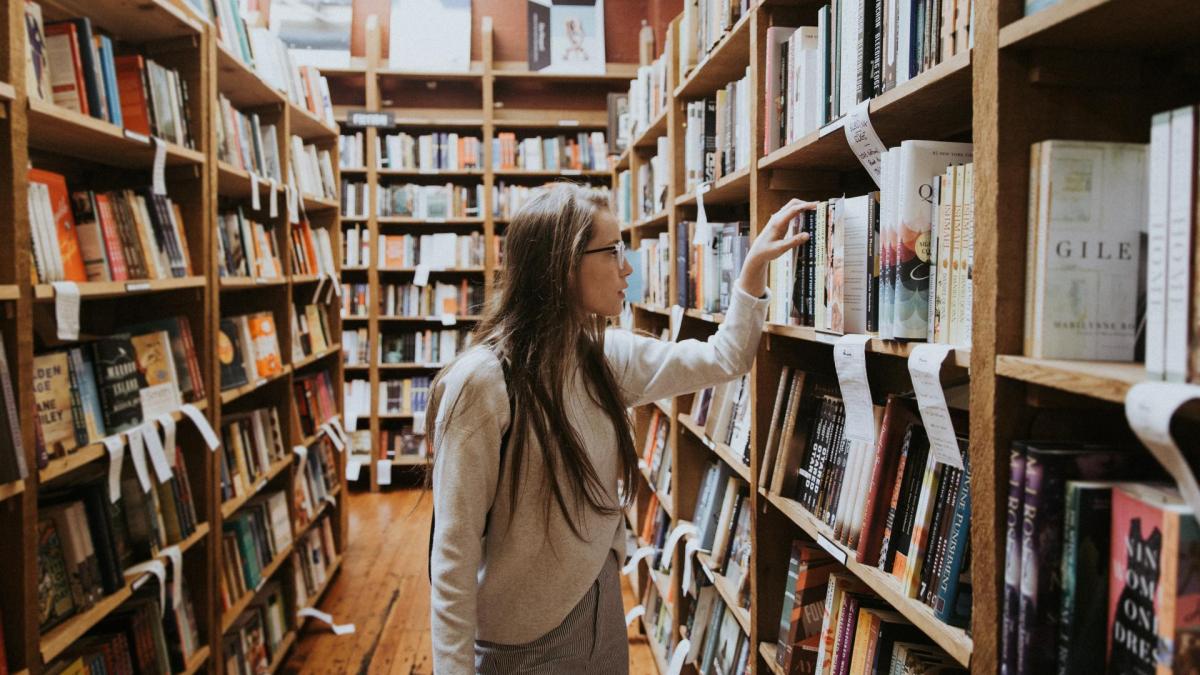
<point x="11" y="489"/>
<point x="410" y="366"/>
<point x="231" y="395"/>
<point x="231" y="506"/>
<point x="650" y="135"/>
<point x="241" y="85"/>
<point x="304" y="279"/>
<point x="652" y="309"/>
<point x="723" y="451"/>
<point x="198" y="660"/>
<point x="448" y="270"/>
<point x="564" y="173"/>
<point x="934" y="104"/>
<point x="307" y="125"/>
<point x="407" y="220"/>
<point x="519" y="70"/>
<point x="475" y="72"/>
<point x="660" y="657"/>
<point x="725" y="63"/>
<point x="7" y="93"/>
<point x="1108" y="25"/>
<point x="418" y="319"/>
<point x="9" y="291"/>
<point x="303" y="530"/>
<point x="961" y="356"/>
<point x="73" y="134"/>
<point x="248" y="283"/>
<point x="313" y="358"/>
<point x="62" y="636"/>
<point x="61" y="466"/>
<point x="132" y="21"/>
<point x="410" y="460"/>
<point x="660" y="219"/>
<point x="954" y="641"/>
<point x="705" y="316"/>
<point x="434" y="173"/>
<point x="533" y="118"/>
<point x="768" y="650"/>
<point x="731" y="189"/>
<point x="622" y="162"/>
<point x="237" y="183"/>
<point x="316" y="203"/>
<point x="231" y="615"/>
<point x="726" y="590"/>
<point x="94" y="290"/>
<point x="1105" y="380"/>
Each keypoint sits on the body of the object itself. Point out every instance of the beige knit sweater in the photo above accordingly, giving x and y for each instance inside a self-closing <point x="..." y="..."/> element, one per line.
<point x="526" y="576"/>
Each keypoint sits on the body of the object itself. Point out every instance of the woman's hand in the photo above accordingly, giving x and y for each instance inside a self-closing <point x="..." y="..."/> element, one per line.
<point x="771" y="243"/>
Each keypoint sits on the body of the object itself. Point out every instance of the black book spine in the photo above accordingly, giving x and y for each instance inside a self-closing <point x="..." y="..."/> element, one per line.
<point x="945" y="493"/>
<point x="906" y="511"/>
<point x="710" y="139"/>
<point x="13" y="467"/>
<point x="877" y="55"/>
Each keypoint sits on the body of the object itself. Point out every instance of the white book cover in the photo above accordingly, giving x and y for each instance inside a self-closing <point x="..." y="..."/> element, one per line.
<point x="1180" y="215"/>
<point x="1156" y="245"/>
<point x="1093" y="203"/>
<point x="887" y="212"/>
<point x="850" y="266"/>
<point x="809" y="99"/>
<point x="776" y="108"/>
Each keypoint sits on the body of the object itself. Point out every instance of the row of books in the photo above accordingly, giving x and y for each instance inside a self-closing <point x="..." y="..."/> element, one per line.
<point x="717" y="642"/>
<point x="356" y="300"/>
<point x="894" y="504"/>
<point x="311" y="333"/>
<point x="648" y="96"/>
<point x="356" y="401"/>
<point x="246" y="143"/>
<point x="312" y="250"/>
<point x="858" y="50"/>
<point x="249" y="349"/>
<point x="312" y="562"/>
<point x="318" y="473"/>
<point x="255" y="638"/>
<point x="112" y="384"/>
<point x="441" y="250"/>
<point x="356" y="347"/>
<point x="723" y="527"/>
<point x="312" y="170"/>
<point x="652" y="182"/>
<point x="407" y="396"/>
<point x="243" y="35"/>
<point x="72" y="65"/>
<point x="104" y="236"/>
<point x="356" y="245"/>
<point x="251" y="443"/>
<point x="1095" y="562"/>
<point x="717" y="135"/>
<point x="12" y="447"/>
<point x="426" y="346"/>
<point x="657" y="455"/>
<point x="86" y="542"/>
<point x="650" y="282"/>
<point x="403" y="442"/>
<point x="429" y="201"/>
<point x="701" y="28"/>
<point x="352" y="150"/>
<point x="251" y="540"/>
<point x="723" y="411"/>
<point x="355" y="199"/>
<point x="246" y="248"/>
<point x="438" y="151"/>
<point x="431" y="300"/>
<point x="314" y="395"/>
<point x="140" y="636"/>
<point x="707" y="272"/>
<point x="582" y="152"/>
<point x="658" y="618"/>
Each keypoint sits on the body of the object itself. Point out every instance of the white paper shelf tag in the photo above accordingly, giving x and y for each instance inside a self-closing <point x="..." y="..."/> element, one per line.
<point x="383" y="471"/>
<point x="154" y="447"/>
<point x="301" y="454"/>
<point x="1149" y="407"/>
<point x="66" y="309"/>
<point x="255" y="198"/>
<point x="682" y="529"/>
<point x="689" y="551"/>
<point x="167" y="422"/>
<point x="159" y="570"/>
<point x="676" y="321"/>
<point x="137" y="452"/>
<point x="115" y="445"/>
<point x="325" y="618"/>
<point x="864" y="142"/>
<point x="638" y="556"/>
<point x="675" y="667"/>
<point x="633" y="614"/>
<point x="201" y="422"/>
<point x="158" y="175"/>
<point x="925" y="368"/>
<point x="850" y="360"/>
<point x="273" y="209"/>
<point x="173" y="554"/>
<point x="421" y="275"/>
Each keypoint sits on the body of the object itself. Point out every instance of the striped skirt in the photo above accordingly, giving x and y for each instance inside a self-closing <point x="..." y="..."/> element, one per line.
<point x="590" y="640"/>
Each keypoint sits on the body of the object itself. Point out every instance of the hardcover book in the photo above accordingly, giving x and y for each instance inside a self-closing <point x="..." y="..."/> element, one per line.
<point x="120" y="382"/>
<point x="55" y="410"/>
<point x="231" y="355"/>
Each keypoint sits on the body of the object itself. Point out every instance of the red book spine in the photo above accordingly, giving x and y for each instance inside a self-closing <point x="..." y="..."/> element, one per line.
<point x="112" y="238"/>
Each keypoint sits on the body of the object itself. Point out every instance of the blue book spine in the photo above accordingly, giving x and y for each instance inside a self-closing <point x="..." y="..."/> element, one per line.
<point x="108" y="68"/>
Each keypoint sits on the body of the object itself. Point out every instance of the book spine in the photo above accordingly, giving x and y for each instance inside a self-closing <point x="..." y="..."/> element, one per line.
<point x="945" y="600"/>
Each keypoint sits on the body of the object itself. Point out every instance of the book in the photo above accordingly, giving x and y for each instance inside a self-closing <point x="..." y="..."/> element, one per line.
<point x="268" y="360"/>
<point x="12" y="448"/>
<point x="57" y="227"/>
<point x="55" y="409"/>
<point x="1087" y="532"/>
<point x="231" y="355"/>
<point x="156" y="363"/>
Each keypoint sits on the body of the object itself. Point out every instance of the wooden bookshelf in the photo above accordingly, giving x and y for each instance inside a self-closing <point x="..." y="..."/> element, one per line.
<point x="1103" y="380"/>
<point x="768" y="650"/>
<point x="99" y="155"/>
<point x="725" y="589"/>
<point x="231" y="615"/>
<point x="720" y="449"/>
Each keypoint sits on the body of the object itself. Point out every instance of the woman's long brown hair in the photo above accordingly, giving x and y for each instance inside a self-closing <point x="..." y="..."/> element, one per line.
<point x="535" y="323"/>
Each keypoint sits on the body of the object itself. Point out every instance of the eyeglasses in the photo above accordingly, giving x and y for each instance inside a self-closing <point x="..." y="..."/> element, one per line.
<point x="617" y="249"/>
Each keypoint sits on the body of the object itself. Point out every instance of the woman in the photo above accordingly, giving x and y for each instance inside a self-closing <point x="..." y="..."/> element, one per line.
<point x="526" y="551"/>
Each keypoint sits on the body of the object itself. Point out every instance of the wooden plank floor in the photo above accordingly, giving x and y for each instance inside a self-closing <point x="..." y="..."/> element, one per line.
<point x="383" y="589"/>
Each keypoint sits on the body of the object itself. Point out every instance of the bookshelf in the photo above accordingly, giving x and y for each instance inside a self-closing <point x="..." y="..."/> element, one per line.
<point x="96" y="154"/>
<point x="494" y="96"/>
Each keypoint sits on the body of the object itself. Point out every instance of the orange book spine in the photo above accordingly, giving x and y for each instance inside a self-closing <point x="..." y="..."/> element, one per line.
<point x="132" y="90"/>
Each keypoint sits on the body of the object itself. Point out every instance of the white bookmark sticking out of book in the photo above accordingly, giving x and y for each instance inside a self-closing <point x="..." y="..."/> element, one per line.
<point x="168" y="424"/>
<point x="678" y="657"/>
<point x="151" y="567"/>
<point x="689" y="550"/>
<point x="682" y="528"/>
<point x="274" y="207"/>
<point x="383" y="471"/>
<point x="850" y="361"/>
<point x="115" y="445"/>
<point x="1149" y="407"/>
<point x="301" y="453"/>
<point x="173" y="554"/>
<point x="158" y="176"/>
<point x="925" y="368"/>
<point x="633" y="614"/>
<point x="137" y="452"/>
<point x="421" y="275"/>
<point x="201" y="422"/>
<point x="323" y="617"/>
<point x="255" y="198"/>
<point x="66" y="309"/>
<point x="637" y="557"/>
<point x="676" y="321"/>
<point x="864" y="142"/>
<point x="154" y="446"/>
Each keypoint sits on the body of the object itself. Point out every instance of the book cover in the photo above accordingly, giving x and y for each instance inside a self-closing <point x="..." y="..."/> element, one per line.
<point x="55" y="603"/>
<point x="67" y="88"/>
<point x="132" y="92"/>
<point x="231" y="355"/>
<point x="1087" y="534"/>
<point x="84" y="379"/>
<point x="36" y="66"/>
<point x="64" y="223"/>
<point x="52" y="396"/>
<point x="12" y="448"/>
<point x="120" y="382"/>
<point x="267" y="358"/>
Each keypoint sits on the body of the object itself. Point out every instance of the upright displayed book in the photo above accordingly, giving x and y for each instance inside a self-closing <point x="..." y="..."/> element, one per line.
<point x="566" y="37"/>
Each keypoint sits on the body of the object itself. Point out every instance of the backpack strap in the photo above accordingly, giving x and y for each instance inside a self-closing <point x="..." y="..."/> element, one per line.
<point x="500" y="472"/>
